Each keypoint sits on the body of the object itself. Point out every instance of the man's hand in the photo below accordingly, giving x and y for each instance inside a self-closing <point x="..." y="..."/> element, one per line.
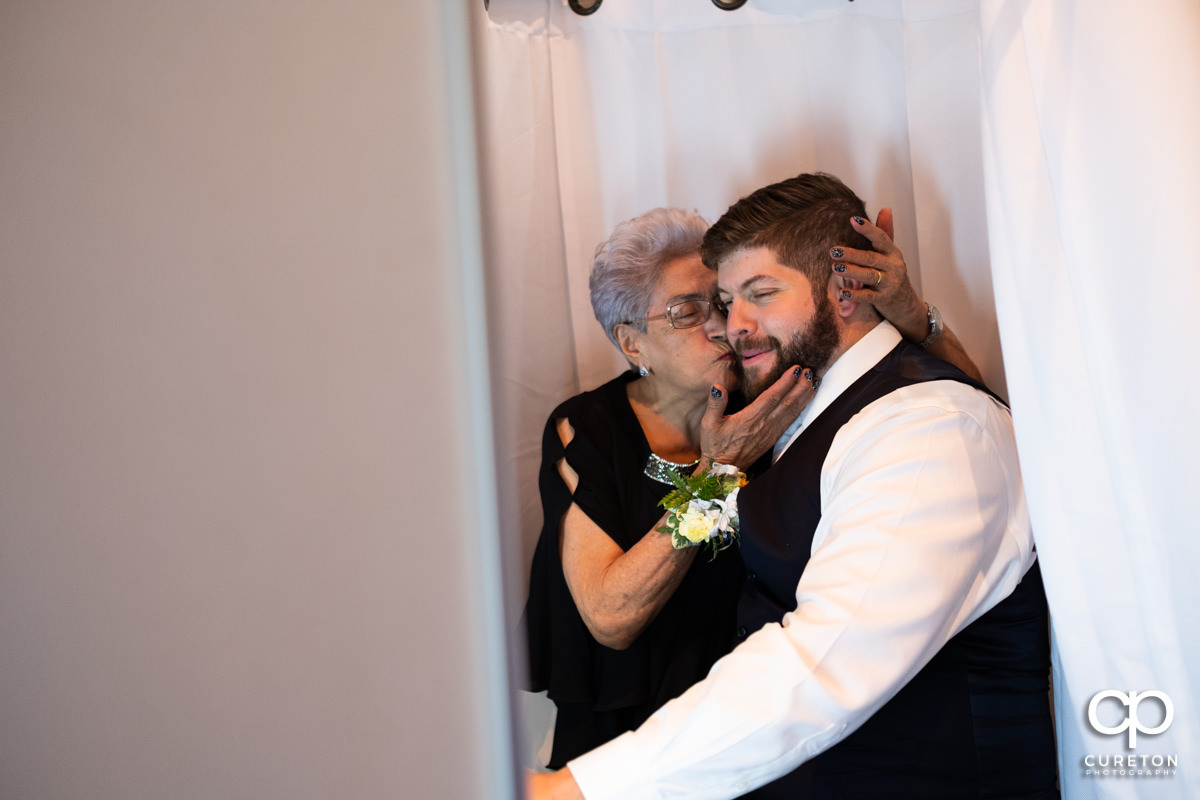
<point x="741" y="438"/>
<point x="552" y="786"/>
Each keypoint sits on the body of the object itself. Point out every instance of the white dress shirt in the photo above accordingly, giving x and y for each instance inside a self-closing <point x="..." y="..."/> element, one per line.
<point x="923" y="529"/>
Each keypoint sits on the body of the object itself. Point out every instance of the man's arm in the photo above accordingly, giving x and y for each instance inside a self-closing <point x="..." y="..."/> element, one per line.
<point x="924" y="530"/>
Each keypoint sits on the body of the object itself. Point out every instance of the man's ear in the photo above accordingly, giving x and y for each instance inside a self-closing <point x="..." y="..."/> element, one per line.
<point x="629" y="339"/>
<point x="845" y="307"/>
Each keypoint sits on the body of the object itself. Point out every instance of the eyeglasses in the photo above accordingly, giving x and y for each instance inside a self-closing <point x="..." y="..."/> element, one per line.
<point x="689" y="313"/>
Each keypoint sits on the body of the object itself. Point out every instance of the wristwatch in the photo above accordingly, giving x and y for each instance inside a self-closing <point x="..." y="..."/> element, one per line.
<point x="935" y="325"/>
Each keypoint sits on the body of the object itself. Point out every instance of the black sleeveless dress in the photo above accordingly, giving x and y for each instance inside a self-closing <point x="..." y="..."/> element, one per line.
<point x="600" y="692"/>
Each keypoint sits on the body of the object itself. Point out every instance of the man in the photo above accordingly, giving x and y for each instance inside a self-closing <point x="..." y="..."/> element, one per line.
<point x="894" y="625"/>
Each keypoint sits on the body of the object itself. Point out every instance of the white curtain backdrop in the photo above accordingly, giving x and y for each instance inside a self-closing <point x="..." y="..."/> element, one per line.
<point x="1092" y="120"/>
<point x="1040" y="158"/>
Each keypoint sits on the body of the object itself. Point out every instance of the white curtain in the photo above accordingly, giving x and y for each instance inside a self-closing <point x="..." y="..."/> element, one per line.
<point x="1038" y="156"/>
<point x="1092" y="122"/>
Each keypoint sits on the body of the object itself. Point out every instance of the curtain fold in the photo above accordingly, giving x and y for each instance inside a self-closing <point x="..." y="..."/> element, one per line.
<point x="1090" y="176"/>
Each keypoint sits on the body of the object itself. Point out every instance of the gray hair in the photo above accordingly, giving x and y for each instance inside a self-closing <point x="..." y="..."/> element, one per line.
<point x="628" y="265"/>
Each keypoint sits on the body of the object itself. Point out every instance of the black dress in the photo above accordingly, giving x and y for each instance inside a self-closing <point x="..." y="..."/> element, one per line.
<point x="600" y="692"/>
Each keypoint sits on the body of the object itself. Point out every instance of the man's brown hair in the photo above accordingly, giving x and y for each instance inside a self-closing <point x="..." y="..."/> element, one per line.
<point x="799" y="220"/>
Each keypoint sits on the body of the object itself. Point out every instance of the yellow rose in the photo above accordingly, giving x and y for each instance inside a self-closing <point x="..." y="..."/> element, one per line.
<point x="695" y="527"/>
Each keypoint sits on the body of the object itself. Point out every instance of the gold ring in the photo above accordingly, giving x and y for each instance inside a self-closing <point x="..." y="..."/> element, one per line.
<point x="878" y="278"/>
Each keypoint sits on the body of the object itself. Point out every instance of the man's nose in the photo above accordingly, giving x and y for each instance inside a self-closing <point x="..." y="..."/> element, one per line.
<point x="738" y="323"/>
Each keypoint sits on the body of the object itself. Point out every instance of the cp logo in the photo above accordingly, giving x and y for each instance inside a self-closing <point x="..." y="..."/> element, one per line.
<point x="1131" y="721"/>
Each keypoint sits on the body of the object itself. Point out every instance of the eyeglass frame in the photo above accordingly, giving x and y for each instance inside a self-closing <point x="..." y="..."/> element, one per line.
<point x="715" y="304"/>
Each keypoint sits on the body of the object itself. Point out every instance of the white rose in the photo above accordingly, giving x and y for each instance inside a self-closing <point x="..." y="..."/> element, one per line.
<point x="728" y="521"/>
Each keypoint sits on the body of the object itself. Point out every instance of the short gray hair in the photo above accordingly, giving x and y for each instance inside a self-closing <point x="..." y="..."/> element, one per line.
<point x="628" y="265"/>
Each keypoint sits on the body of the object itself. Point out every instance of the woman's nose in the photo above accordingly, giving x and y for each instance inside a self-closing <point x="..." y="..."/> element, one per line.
<point x="714" y="326"/>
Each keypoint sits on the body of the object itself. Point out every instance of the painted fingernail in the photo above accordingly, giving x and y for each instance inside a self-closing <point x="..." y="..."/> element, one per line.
<point x="859" y="220"/>
<point x="845" y="295"/>
<point x="839" y="267"/>
<point x="716" y="393"/>
<point x="808" y="375"/>
<point x="837" y="252"/>
<point x="796" y="372"/>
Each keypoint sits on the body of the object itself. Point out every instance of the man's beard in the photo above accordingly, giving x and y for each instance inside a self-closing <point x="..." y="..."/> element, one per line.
<point x="812" y="348"/>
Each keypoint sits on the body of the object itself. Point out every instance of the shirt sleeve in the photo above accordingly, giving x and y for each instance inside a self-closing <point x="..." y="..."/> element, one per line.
<point x="923" y="529"/>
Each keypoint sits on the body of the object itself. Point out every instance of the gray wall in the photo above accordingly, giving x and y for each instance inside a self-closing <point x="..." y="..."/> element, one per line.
<point x="246" y="532"/>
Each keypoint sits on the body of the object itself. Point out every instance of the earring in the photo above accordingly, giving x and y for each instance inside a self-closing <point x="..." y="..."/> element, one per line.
<point x="643" y="370"/>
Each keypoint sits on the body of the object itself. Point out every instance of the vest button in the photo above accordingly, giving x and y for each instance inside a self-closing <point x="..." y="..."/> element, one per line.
<point x="741" y="631"/>
<point x="751" y="577"/>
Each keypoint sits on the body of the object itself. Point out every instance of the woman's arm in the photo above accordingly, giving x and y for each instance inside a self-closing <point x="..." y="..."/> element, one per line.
<point x="618" y="592"/>
<point x="884" y="278"/>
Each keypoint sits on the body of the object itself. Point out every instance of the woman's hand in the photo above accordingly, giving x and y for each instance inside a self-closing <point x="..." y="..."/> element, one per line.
<point x="880" y="277"/>
<point x="740" y="438"/>
<point x="552" y="786"/>
<point x="883" y="276"/>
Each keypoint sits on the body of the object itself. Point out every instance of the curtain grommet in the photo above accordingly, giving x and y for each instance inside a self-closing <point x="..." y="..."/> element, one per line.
<point x="585" y="7"/>
<point x="729" y="5"/>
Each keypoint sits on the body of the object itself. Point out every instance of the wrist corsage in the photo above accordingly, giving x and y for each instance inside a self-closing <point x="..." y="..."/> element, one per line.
<point x="703" y="508"/>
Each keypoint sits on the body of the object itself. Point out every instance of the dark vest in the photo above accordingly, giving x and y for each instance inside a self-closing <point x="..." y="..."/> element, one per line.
<point x="974" y="722"/>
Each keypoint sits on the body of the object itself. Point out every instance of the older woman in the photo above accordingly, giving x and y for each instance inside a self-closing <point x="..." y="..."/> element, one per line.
<point x="618" y="620"/>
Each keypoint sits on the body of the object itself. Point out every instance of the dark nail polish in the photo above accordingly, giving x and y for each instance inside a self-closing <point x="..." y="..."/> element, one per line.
<point x="808" y="374"/>
<point x="796" y="372"/>
<point x="837" y="252"/>
<point x="860" y="220"/>
<point x="716" y="393"/>
<point x="839" y="267"/>
<point x="845" y="295"/>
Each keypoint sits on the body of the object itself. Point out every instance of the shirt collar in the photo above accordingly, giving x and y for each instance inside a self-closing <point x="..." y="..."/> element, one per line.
<point x="849" y="367"/>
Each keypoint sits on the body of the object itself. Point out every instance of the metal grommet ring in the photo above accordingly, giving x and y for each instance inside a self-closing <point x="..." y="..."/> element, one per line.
<point x="584" y="7"/>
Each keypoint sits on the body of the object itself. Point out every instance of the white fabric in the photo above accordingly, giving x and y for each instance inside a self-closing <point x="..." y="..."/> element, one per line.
<point x="923" y="529"/>
<point x="838" y="378"/>
<point x="588" y="121"/>
<point x="1043" y="150"/>
<point x="1092" y="122"/>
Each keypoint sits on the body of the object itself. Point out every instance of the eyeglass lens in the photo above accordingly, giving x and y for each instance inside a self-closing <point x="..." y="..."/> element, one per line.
<point x="690" y="313"/>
